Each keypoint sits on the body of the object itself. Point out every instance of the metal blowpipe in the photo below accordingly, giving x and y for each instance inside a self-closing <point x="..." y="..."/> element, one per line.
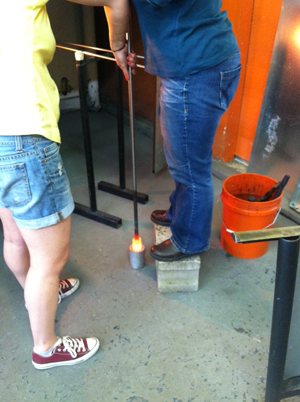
<point x="136" y="249"/>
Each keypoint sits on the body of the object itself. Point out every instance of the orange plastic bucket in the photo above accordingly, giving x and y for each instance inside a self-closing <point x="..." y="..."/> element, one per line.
<point x="240" y="215"/>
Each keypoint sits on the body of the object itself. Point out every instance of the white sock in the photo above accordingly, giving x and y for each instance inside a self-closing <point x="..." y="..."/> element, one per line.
<point x="48" y="352"/>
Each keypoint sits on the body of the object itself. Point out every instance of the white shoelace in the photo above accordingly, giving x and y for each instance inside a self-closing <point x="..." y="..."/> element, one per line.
<point x="73" y="345"/>
<point x="62" y="284"/>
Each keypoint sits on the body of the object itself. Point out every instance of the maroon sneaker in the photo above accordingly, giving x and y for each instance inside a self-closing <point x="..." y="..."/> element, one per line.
<point x="67" y="287"/>
<point x="65" y="352"/>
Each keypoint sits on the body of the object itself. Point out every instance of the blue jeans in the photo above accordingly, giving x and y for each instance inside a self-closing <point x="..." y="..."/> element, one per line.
<point x="190" y="111"/>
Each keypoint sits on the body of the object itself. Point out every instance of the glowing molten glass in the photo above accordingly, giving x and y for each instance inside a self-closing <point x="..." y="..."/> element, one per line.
<point x="297" y="37"/>
<point x="137" y="245"/>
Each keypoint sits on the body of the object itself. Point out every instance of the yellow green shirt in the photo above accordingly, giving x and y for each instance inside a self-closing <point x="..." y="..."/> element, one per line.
<point x="29" y="99"/>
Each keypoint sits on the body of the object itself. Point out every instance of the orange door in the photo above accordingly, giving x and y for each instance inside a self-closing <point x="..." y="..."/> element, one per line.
<point x="255" y="24"/>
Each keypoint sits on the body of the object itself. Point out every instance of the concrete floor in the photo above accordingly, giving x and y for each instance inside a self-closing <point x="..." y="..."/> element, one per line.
<point x="206" y="346"/>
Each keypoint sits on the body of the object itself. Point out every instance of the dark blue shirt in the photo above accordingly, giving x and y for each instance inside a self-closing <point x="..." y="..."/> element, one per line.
<point x="182" y="37"/>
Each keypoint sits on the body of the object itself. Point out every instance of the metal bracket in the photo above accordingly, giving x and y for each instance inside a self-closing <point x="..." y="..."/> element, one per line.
<point x="295" y="201"/>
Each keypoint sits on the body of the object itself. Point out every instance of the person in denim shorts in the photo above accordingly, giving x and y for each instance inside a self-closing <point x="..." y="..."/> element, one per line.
<point x="190" y="45"/>
<point x="35" y="198"/>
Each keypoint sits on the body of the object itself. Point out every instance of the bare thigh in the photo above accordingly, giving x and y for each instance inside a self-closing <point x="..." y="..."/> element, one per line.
<point x="48" y="247"/>
<point x="10" y="229"/>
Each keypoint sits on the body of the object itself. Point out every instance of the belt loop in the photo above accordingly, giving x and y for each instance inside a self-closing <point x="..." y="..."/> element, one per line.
<point x="19" y="144"/>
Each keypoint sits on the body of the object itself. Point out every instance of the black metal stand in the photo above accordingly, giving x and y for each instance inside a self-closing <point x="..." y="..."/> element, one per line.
<point x="92" y="212"/>
<point x="286" y="271"/>
<point x="121" y="190"/>
<point x="277" y="387"/>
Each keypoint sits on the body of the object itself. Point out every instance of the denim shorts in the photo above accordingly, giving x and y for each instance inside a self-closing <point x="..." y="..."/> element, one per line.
<point x="34" y="183"/>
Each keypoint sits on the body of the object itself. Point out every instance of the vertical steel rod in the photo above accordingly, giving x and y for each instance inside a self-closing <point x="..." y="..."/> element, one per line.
<point x="131" y="117"/>
<point x="286" y="271"/>
<point x="121" y="142"/>
<point x="86" y="136"/>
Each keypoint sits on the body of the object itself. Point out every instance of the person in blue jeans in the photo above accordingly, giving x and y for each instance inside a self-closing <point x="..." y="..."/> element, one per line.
<point x="190" y="45"/>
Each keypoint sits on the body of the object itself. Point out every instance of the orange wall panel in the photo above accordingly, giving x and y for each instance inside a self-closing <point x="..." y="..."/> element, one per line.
<point x="240" y="14"/>
<point x="255" y="24"/>
<point x="263" y="32"/>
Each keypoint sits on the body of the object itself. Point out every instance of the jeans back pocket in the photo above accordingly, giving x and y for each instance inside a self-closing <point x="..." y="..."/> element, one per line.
<point x="14" y="188"/>
<point x="228" y="85"/>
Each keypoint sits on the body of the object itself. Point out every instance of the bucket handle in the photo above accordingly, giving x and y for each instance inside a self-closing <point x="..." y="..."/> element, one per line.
<point x="271" y="224"/>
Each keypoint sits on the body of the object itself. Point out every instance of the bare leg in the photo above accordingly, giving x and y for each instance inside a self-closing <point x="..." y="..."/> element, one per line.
<point x="36" y="258"/>
<point x="49" y="251"/>
<point x="16" y="254"/>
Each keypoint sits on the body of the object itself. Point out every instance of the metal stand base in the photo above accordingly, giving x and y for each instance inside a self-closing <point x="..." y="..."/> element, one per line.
<point x="98" y="216"/>
<point x="121" y="190"/>
<point x="124" y="193"/>
<point x="291" y="387"/>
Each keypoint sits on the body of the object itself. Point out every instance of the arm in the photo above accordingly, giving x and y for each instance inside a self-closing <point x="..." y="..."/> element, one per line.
<point x="117" y="15"/>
